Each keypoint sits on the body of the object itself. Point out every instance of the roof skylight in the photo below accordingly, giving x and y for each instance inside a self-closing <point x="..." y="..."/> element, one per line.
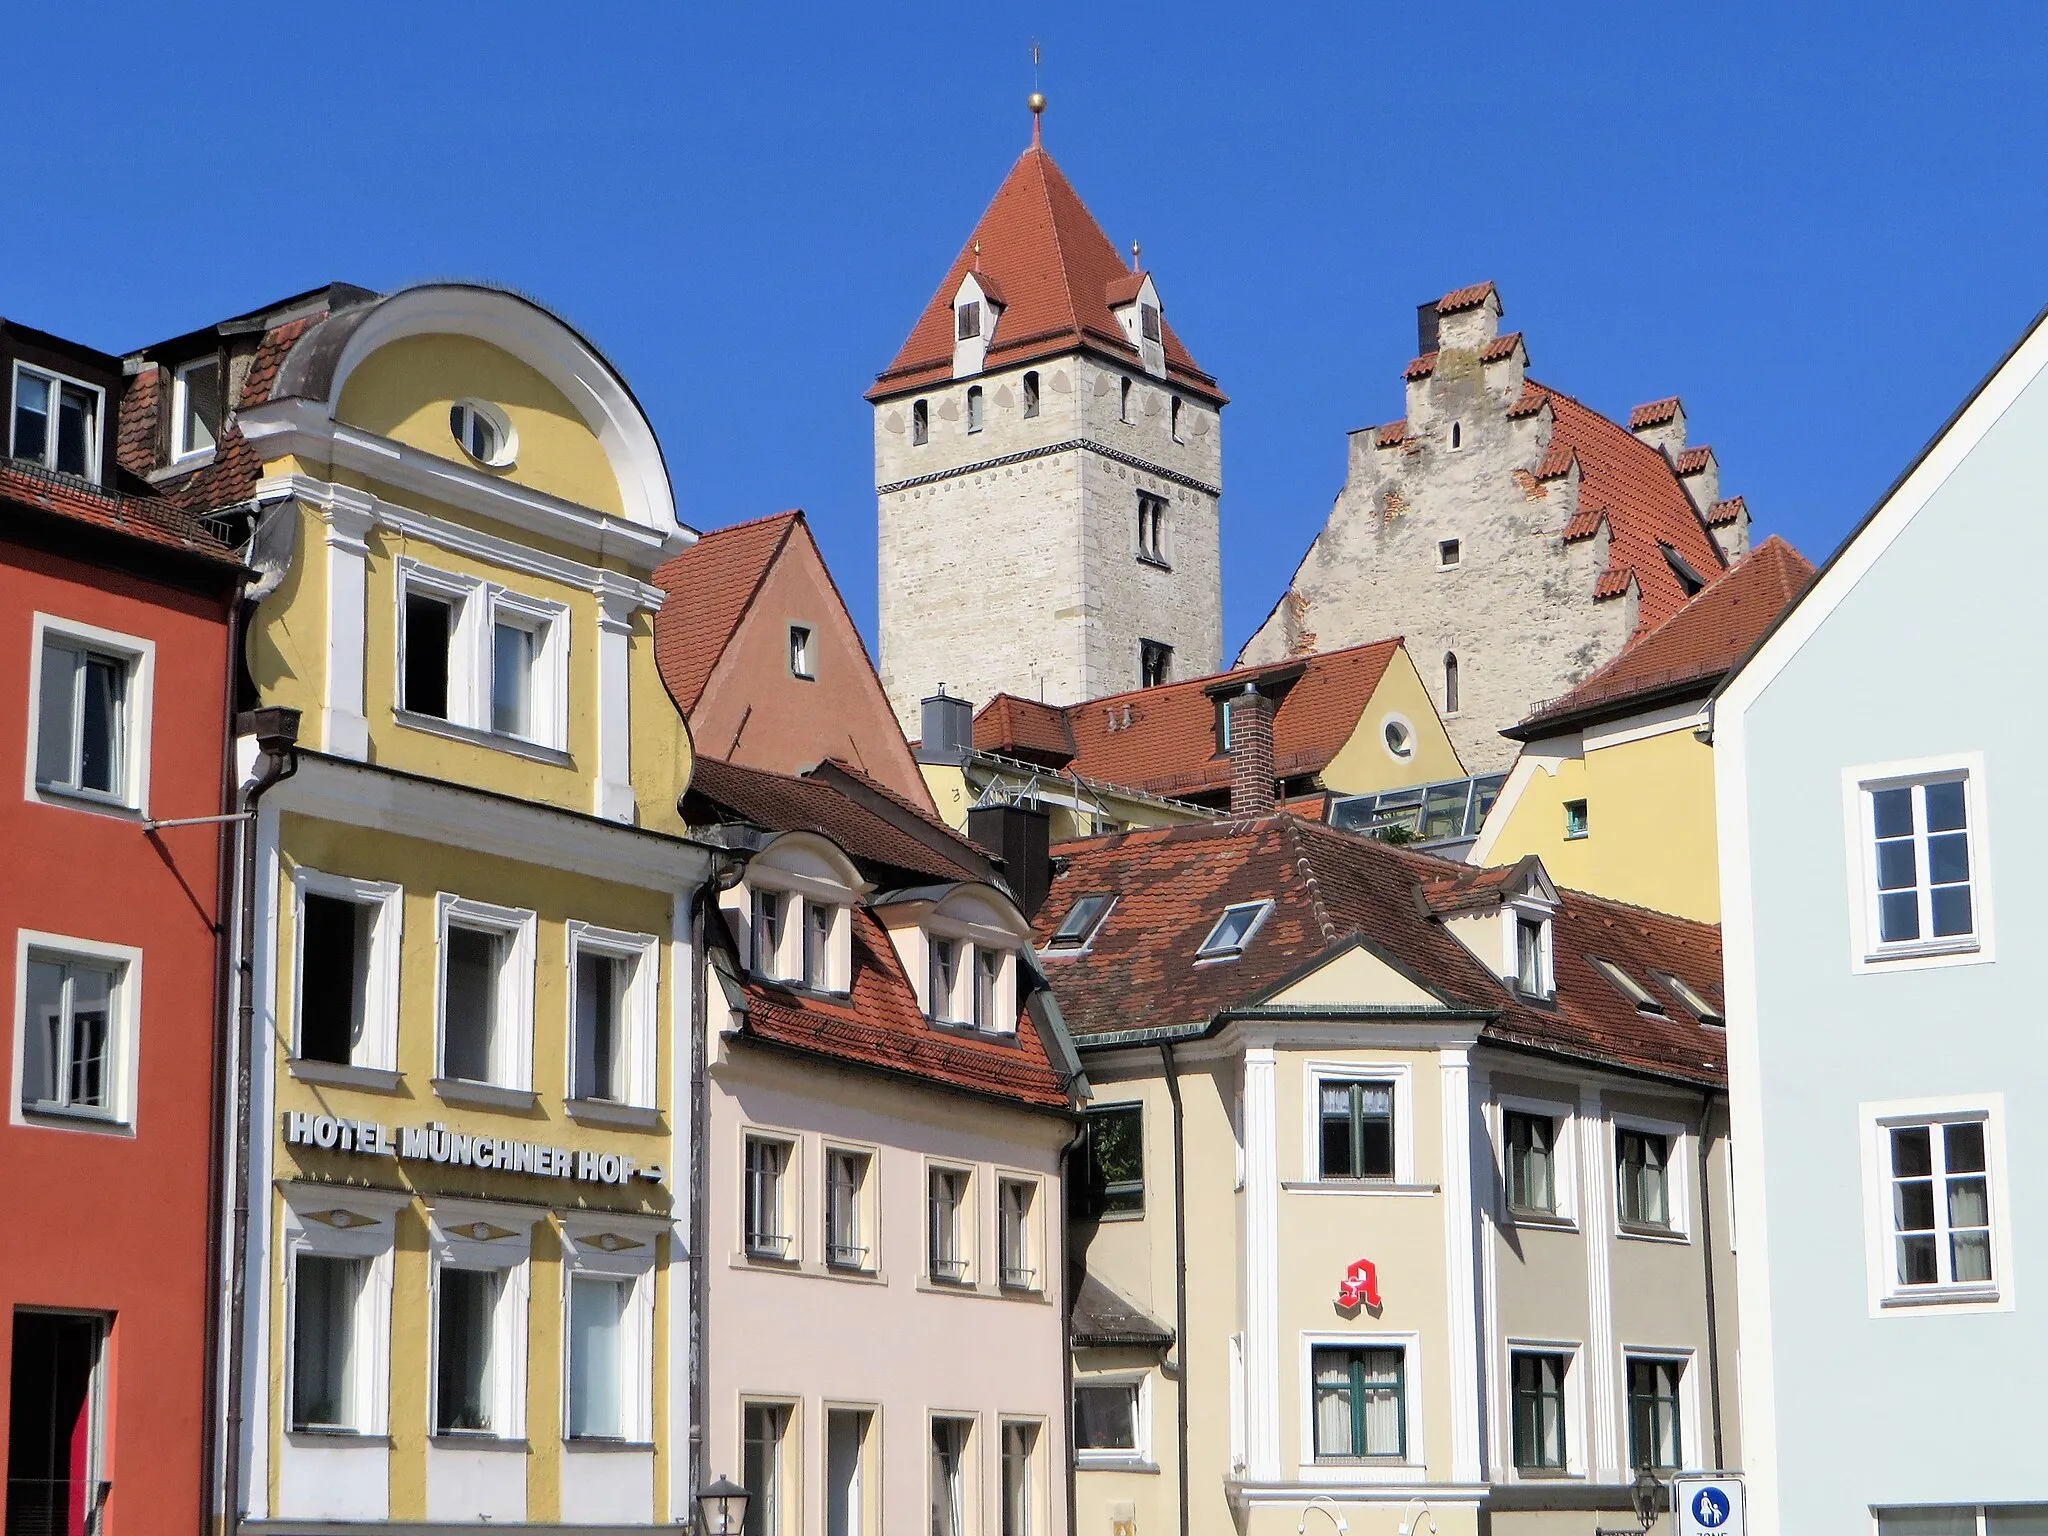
<point x="1628" y="986"/>
<point x="1081" y="921"/>
<point x="1697" y="1005"/>
<point x="1233" y="930"/>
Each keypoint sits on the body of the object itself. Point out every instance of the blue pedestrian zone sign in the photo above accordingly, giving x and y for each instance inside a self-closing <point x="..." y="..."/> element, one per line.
<point x="1707" y="1505"/>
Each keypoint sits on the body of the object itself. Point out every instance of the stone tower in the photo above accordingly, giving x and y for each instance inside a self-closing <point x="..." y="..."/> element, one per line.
<point x="1516" y="538"/>
<point x="1048" y="463"/>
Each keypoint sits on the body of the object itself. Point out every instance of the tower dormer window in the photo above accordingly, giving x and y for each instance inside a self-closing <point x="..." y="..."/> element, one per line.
<point x="920" y="422"/>
<point x="1148" y="321"/>
<point x="968" y="320"/>
<point x="1030" y="395"/>
<point x="974" y="408"/>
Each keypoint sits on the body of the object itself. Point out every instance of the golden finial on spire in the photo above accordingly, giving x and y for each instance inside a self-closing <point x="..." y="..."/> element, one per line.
<point x="1134" y="257"/>
<point x="1036" y="100"/>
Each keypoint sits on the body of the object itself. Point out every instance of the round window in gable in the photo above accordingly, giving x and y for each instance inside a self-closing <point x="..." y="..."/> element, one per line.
<point x="483" y="431"/>
<point x="1399" y="737"/>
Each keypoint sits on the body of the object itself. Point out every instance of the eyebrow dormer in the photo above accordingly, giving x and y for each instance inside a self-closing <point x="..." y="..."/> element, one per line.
<point x="1135" y="302"/>
<point x="792" y="913"/>
<point x="959" y="945"/>
<point x="977" y="305"/>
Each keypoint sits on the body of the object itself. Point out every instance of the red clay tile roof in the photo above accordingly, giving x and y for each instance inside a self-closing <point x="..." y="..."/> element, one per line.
<point x="1125" y="289"/>
<point x="1463" y="298"/>
<point x="1500" y="348"/>
<point x="1531" y="400"/>
<point x="715" y="579"/>
<point x="1024" y="728"/>
<point x="1391" y="435"/>
<point x="1040" y="243"/>
<point x="1556" y="462"/>
<point x="1654" y="414"/>
<point x="1163" y="740"/>
<point x="135" y="448"/>
<point x="913" y="842"/>
<point x="231" y="475"/>
<point x="1328" y="886"/>
<point x="1645" y="505"/>
<point x="878" y="1025"/>
<point x="1421" y="368"/>
<point x="1695" y="647"/>
<point x="1583" y="525"/>
<point x="155" y="522"/>
<point x="1722" y="513"/>
<point x="1693" y="460"/>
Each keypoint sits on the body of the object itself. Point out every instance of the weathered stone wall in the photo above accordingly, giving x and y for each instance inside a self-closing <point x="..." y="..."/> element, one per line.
<point x="1009" y="555"/>
<point x="1516" y="608"/>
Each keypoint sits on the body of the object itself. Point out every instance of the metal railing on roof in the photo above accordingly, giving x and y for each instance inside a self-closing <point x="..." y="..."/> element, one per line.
<point x="1036" y="777"/>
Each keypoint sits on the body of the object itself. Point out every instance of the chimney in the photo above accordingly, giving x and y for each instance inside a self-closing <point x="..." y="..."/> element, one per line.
<point x="1425" y="328"/>
<point x="1251" y="753"/>
<point x="1661" y="424"/>
<point x="947" y="725"/>
<point x="1021" y="838"/>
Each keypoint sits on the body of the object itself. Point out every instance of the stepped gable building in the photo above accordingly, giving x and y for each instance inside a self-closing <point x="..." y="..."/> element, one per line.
<point x="1517" y="537"/>
<point x="1048" y="463"/>
<point x="1419" y="1169"/>
<point x="764" y="662"/>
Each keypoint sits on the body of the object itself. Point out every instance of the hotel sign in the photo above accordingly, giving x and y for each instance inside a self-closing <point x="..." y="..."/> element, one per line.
<point x="435" y="1143"/>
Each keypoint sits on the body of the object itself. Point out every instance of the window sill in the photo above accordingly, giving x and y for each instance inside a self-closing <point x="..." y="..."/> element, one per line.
<point x="1542" y="1221"/>
<point x="433" y="725"/>
<point x="1548" y="1475"/>
<point x="1086" y="1462"/>
<point x="597" y="1445"/>
<point x="184" y="464"/>
<point x="1576" y="837"/>
<point x="338" y="1439"/>
<point x="609" y="1112"/>
<point x="55" y="1117"/>
<point x="457" y="1090"/>
<point x="1925" y="950"/>
<point x="477" y="1440"/>
<point x="1155" y="562"/>
<point x="58" y="796"/>
<point x="1643" y="1234"/>
<point x="1358" y="1187"/>
<point x="759" y="1258"/>
<point x="1941" y="1296"/>
<point x="337" y="1074"/>
<point x="1105" y="1216"/>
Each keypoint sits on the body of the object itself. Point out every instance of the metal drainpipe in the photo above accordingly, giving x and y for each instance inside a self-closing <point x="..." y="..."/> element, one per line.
<point x="723" y="876"/>
<point x="223" y="1002"/>
<point x="1180" y="1281"/>
<point x="1707" y="1258"/>
<point x="277" y="733"/>
<point x="1068" y="1159"/>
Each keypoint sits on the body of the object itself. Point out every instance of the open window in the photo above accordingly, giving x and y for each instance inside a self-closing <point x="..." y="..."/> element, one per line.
<point x="57" y="422"/>
<point x="480" y="1252"/>
<point x="482" y="659"/>
<point x="76" y="1031"/>
<point x="56" y="1394"/>
<point x="195" y="408"/>
<point x="612" y="1028"/>
<point x="90" y="715"/>
<point x="486" y="1001"/>
<point x="346" y="998"/>
<point x="337" y="1318"/>
<point x="1233" y="930"/>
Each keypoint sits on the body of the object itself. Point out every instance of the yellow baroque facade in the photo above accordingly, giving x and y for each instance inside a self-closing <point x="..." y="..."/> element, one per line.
<point x="470" y="1107"/>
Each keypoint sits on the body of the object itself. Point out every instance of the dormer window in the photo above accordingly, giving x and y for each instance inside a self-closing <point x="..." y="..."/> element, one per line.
<point x="56" y="422"/>
<point x="945" y="975"/>
<point x="767" y="931"/>
<point x="819" y="921"/>
<point x="967" y="320"/>
<point x="1233" y="931"/>
<point x="1532" y="956"/>
<point x="196" y="408"/>
<point x="1148" y="321"/>
<point x="1083" y="918"/>
<point x="988" y="981"/>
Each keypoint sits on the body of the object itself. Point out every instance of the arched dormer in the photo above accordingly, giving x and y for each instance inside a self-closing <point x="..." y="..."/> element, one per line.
<point x="977" y="305"/>
<point x="397" y="387"/>
<point x="959" y="946"/>
<point x="792" y="913"/>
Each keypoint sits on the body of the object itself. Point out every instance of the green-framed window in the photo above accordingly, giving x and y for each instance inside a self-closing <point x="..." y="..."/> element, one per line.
<point x="1655" y="1438"/>
<point x="1539" y="1411"/>
<point x="1531" y="1146"/>
<point x="1361" y="1402"/>
<point x="1357" y="1122"/>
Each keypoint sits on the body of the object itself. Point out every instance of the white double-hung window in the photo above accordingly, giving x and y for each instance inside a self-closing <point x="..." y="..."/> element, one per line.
<point x="608" y="1270"/>
<point x="1934" y="1194"/>
<point x="89" y="721"/>
<point x="482" y="659"/>
<point x="480" y="1254"/>
<point x="76" y="1031"/>
<point x="486" y="997"/>
<point x="1918" y="832"/>
<point x="57" y="422"/>
<point x="614" y="977"/>
<point x="346" y="962"/>
<point x="337" y="1254"/>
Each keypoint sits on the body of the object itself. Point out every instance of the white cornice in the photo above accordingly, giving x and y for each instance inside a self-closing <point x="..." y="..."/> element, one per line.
<point x="327" y="498"/>
<point x="301" y="428"/>
<point x="363" y="796"/>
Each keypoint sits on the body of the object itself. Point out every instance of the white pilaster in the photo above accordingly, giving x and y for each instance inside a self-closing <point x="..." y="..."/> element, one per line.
<point x="1460" y="1226"/>
<point x="1261" y="1266"/>
<point x="617" y="601"/>
<point x="1488" y="1206"/>
<point x="1603" y="1404"/>
<point x="681" y="1173"/>
<point x="259" y="1254"/>
<point x="348" y="516"/>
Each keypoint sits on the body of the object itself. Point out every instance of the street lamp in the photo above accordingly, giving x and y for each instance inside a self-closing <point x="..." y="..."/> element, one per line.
<point x="1642" y="1497"/>
<point x="722" y="1508"/>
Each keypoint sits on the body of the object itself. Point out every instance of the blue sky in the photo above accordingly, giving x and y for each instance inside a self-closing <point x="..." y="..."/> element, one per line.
<point x="1818" y="224"/>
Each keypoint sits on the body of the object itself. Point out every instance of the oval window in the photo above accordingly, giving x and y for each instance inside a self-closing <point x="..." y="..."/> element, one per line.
<point x="483" y="431"/>
<point x="1400" y="740"/>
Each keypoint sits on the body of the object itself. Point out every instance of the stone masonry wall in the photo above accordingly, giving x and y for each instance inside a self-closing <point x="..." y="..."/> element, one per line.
<point x="1008" y="561"/>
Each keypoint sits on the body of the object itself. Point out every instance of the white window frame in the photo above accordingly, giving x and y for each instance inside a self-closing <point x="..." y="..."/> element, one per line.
<point x="1515" y="911"/>
<point x="796" y="891"/>
<point x="1140" y="1456"/>
<point x="1387" y="723"/>
<point x="1398" y="1075"/>
<point x="966" y="1226"/>
<point x="124" y="1034"/>
<point x="484" y="1235"/>
<point x="803" y="651"/>
<point x="1410" y="1468"/>
<point x="379" y="1045"/>
<point x="133" y="799"/>
<point x="639" y="1009"/>
<point x="1564" y="1155"/>
<point x="513" y="1033"/>
<point x="1206" y="954"/>
<point x="481" y="605"/>
<point x="96" y="451"/>
<point x="1690" y="1453"/>
<point x="350" y="1222"/>
<point x="866" y="1205"/>
<point x="1456" y="545"/>
<point x="1033" y="1232"/>
<point x="1035" y="1522"/>
<point x="1678" y="1158"/>
<point x="1575" y="1463"/>
<point x="970" y="1465"/>
<point x="1887" y="1298"/>
<point x="181" y="393"/>
<point x="611" y="1246"/>
<point x="1866" y="953"/>
<point x="789" y="1192"/>
<point x="494" y="417"/>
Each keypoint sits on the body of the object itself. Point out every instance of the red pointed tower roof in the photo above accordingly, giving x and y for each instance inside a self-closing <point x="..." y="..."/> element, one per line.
<point x="1046" y="260"/>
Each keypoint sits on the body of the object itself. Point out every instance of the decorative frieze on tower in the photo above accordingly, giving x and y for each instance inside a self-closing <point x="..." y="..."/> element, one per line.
<point x="1048" y="464"/>
<point x="1515" y="537"/>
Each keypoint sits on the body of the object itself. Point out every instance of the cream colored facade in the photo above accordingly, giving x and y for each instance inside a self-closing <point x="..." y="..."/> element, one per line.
<point x="1464" y="1285"/>
<point x="1642" y="829"/>
<point x="468" y="1277"/>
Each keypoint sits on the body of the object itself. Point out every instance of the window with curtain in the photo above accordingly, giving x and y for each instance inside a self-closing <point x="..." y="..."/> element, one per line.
<point x="325" y="1292"/>
<point x="1357" y="1129"/>
<point x="1539" y="1412"/>
<point x="464" y="1367"/>
<point x="1940" y="1205"/>
<point x="846" y="1177"/>
<point x="1532" y="1161"/>
<point x="949" y="1477"/>
<point x="1361" y="1404"/>
<point x="597" y="1365"/>
<point x="761" y="1470"/>
<point x="1642" y="1167"/>
<point x="767" y="1235"/>
<point x="1654" y="1438"/>
<point x="947" y="1199"/>
<point x="1020" y="1442"/>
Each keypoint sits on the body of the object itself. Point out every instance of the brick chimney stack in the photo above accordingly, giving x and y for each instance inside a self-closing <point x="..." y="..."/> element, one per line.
<point x="1251" y="753"/>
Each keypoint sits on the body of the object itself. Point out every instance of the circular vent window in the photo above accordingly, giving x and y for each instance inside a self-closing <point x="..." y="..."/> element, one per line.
<point x="1399" y="738"/>
<point x="483" y="431"/>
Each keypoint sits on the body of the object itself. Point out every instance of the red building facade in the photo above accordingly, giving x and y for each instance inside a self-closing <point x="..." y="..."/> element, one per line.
<point x="115" y="624"/>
